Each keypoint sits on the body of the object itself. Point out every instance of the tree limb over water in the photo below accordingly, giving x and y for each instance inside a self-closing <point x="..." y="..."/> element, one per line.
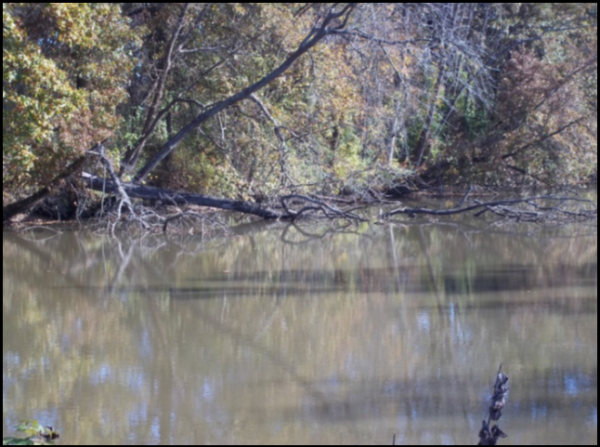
<point x="305" y="206"/>
<point x="531" y="209"/>
<point x="178" y="198"/>
<point x="544" y="208"/>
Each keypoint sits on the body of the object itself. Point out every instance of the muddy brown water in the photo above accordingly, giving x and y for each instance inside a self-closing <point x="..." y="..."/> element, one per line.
<point x="274" y="337"/>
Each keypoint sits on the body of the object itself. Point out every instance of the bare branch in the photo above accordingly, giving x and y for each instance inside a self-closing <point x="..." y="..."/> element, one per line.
<point x="500" y="208"/>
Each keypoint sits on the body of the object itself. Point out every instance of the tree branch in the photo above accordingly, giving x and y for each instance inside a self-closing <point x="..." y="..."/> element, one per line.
<point x="313" y="37"/>
<point x="26" y="204"/>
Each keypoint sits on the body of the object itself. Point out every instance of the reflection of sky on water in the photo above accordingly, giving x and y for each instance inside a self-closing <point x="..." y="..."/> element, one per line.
<point x="538" y="412"/>
<point x="208" y="390"/>
<point x="101" y="375"/>
<point x="593" y="419"/>
<point x="576" y="383"/>
<point x="146" y="347"/>
<point x="571" y="384"/>
<point x="155" y="428"/>
<point x="423" y="320"/>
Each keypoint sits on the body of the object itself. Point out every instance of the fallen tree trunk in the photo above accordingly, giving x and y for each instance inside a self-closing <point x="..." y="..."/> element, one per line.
<point x="23" y="206"/>
<point x="179" y="198"/>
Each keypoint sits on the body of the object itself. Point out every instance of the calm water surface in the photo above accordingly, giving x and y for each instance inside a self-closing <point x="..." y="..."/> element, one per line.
<point x="278" y="337"/>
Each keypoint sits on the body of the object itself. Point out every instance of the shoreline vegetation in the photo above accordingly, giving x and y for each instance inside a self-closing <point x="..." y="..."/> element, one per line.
<point x="160" y="112"/>
<point x="182" y="216"/>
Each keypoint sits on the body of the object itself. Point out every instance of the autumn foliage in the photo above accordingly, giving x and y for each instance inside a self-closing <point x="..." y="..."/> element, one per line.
<point x="66" y="67"/>
<point x="500" y="94"/>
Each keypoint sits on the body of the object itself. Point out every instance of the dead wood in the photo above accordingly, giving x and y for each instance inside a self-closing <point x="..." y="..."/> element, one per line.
<point x="23" y="206"/>
<point x="532" y="209"/>
<point x="178" y="198"/>
<point x="490" y="435"/>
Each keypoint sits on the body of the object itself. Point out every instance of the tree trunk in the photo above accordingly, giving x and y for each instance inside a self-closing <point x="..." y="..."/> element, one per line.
<point x="23" y="206"/>
<point x="179" y="198"/>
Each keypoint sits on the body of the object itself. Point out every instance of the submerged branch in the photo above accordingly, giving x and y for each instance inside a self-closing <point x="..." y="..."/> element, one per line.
<point x="490" y="435"/>
<point x="535" y="212"/>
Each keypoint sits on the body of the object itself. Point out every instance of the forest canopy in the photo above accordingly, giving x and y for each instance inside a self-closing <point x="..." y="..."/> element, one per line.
<point x="247" y="100"/>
